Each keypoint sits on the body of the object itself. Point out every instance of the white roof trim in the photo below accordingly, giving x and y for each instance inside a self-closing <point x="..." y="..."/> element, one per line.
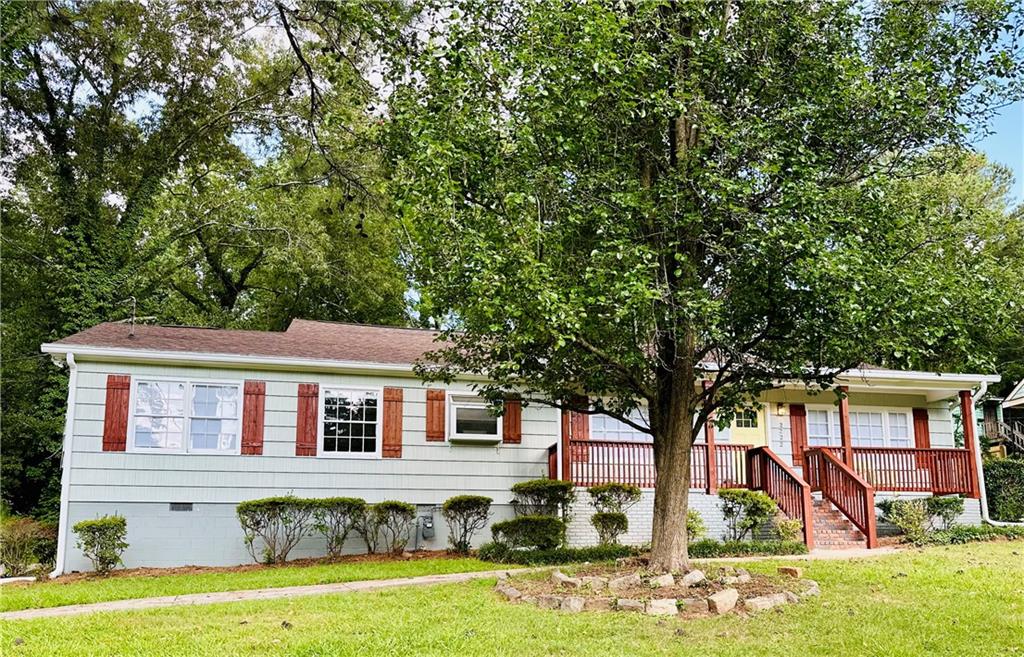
<point x="1016" y="396"/>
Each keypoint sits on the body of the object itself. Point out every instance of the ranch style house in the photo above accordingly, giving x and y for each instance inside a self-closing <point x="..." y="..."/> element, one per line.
<point x="172" y="427"/>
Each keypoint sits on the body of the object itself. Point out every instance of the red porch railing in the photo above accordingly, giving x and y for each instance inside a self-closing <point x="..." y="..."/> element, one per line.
<point x="767" y="472"/>
<point x="846" y="489"/>
<point x="898" y="469"/>
<point x="595" y="462"/>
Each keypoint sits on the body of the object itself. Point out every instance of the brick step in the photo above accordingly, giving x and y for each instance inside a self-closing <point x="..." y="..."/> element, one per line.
<point x="832" y="530"/>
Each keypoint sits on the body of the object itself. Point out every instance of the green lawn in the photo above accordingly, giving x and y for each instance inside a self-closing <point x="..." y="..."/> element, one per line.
<point x="58" y="593"/>
<point x="956" y="601"/>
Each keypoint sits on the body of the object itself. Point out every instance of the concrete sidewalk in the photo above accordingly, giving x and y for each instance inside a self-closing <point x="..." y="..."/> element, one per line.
<point x="373" y="585"/>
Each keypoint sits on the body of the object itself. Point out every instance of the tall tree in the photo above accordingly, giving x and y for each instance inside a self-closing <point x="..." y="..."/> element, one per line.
<point x="631" y="200"/>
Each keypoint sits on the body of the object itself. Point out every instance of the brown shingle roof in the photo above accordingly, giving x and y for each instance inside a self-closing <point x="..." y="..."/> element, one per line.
<point x="304" y="339"/>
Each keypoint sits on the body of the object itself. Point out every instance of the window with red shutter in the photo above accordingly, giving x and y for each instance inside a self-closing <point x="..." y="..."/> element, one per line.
<point x="253" y="407"/>
<point x="306" y="419"/>
<point x="435" y="415"/>
<point x="512" y="422"/>
<point x="392" y="438"/>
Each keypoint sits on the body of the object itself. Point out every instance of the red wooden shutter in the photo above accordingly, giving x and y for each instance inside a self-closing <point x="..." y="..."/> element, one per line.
<point x="798" y="431"/>
<point x="391" y="445"/>
<point x="512" y="422"/>
<point x="305" y="419"/>
<point x="115" y="413"/>
<point x="922" y="438"/>
<point x="252" y="417"/>
<point x="435" y="415"/>
<point x="579" y="429"/>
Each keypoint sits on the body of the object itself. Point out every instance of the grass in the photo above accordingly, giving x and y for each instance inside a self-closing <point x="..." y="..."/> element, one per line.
<point x="941" y="601"/>
<point x="78" y="591"/>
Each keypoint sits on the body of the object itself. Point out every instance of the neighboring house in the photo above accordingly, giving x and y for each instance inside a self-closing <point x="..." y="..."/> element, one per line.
<point x="1006" y="426"/>
<point x="171" y="427"/>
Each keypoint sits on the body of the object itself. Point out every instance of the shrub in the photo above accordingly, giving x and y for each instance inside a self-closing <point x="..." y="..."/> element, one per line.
<point x="540" y="532"/>
<point x="386" y="524"/>
<point x="25" y="542"/>
<point x="959" y="534"/>
<point x="613" y="497"/>
<point x="103" y="540"/>
<point x="745" y="510"/>
<point x="943" y="511"/>
<point x="909" y="516"/>
<point x="499" y="553"/>
<point x="709" y="548"/>
<point x="279" y="522"/>
<point x="335" y="518"/>
<point x="788" y="529"/>
<point x="465" y="515"/>
<point x="609" y="525"/>
<point x="1004" y="489"/>
<point x="695" y="528"/>
<point x="543" y="497"/>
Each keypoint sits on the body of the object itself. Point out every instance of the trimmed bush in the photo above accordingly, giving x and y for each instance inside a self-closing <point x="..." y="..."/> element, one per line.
<point x="279" y="523"/>
<point x="695" y="528"/>
<point x="543" y="497"/>
<point x="1004" y="489"/>
<point x="540" y="532"/>
<point x="943" y="511"/>
<point x="25" y="542"/>
<point x="103" y="540"/>
<point x="465" y="515"/>
<point x="745" y="510"/>
<point x="609" y="525"/>
<point x="386" y="524"/>
<point x="614" y="497"/>
<point x="909" y="516"/>
<point x="499" y="553"/>
<point x="788" y="529"/>
<point x="711" y="549"/>
<point x="960" y="534"/>
<point x="335" y="518"/>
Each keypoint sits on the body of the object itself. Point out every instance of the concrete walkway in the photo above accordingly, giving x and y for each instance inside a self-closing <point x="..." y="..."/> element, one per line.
<point x="374" y="585"/>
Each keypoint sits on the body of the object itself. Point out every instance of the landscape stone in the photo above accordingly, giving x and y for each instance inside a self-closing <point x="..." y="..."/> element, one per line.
<point x="723" y="601"/>
<point x="627" y="604"/>
<point x="661" y="581"/>
<point x="812" y="588"/>
<point x="692" y="578"/>
<point x="790" y="596"/>
<point x="598" y="604"/>
<point x="510" y="592"/>
<point x="572" y="603"/>
<point x="595" y="583"/>
<point x="791" y="571"/>
<point x="728" y="580"/>
<point x="549" y="601"/>
<point x="560" y="578"/>
<point x="697" y="605"/>
<point x="529" y="599"/>
<point x="625" y="582"/>
<point x="743" y="578"/>
<point x="764" y="602"/>
<point x="662" y="607"/>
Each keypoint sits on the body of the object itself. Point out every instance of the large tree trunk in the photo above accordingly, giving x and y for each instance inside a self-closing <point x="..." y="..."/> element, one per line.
<point x="673" y="442"/>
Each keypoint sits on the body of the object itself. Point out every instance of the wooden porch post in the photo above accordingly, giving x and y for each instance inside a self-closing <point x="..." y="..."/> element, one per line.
<point x="710" y="458"/>
<point x="566" y="460"/>
<point x="967" y="418"/>
<point x="844" y="426"/>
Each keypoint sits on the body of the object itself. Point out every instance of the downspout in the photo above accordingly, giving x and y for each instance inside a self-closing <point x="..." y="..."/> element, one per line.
<point x="981" y="470"/>
<point x="65" y="460"/>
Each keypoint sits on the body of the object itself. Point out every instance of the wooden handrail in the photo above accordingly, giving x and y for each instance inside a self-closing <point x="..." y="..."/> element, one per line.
<point x="941" y="471"/>
<point x="769" y="473"/>
<point x="594" y="462"/>
<point x="847" y="490"/>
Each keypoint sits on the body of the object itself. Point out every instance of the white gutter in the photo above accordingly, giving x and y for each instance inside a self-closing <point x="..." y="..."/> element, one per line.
<point x="65" y="462"/>
<point x="981" y="469"/>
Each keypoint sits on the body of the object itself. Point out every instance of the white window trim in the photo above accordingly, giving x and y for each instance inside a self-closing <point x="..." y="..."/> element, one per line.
<point x="187" y="421"/>
<point x="320" y="417"/>
<point x="739" y="415"/>
<point x="450" y="407"/>
<point x="645" y="437"/>
<point x="833" y="422"/>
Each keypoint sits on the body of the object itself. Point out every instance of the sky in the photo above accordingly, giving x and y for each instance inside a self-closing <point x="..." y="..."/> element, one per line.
<point x="1006" y="144"/>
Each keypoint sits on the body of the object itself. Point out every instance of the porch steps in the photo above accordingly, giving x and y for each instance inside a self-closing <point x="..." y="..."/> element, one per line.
<point x="832" y="531"/>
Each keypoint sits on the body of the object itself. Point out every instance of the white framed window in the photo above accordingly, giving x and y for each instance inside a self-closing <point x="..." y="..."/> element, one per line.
<point x="868" y="428"/>
<point x="746" y="419"/>
<point x="470" y="419"/>
<point x="350" y="420"/>
<point x="181" y="416"/>
<point x="603" y="427"/>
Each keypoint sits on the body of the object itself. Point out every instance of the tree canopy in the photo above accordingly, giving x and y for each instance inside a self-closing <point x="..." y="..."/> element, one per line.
<point x="625" y="200"/>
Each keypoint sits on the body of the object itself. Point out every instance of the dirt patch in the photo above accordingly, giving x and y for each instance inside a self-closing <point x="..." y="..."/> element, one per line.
<point x="199" y="570"/>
